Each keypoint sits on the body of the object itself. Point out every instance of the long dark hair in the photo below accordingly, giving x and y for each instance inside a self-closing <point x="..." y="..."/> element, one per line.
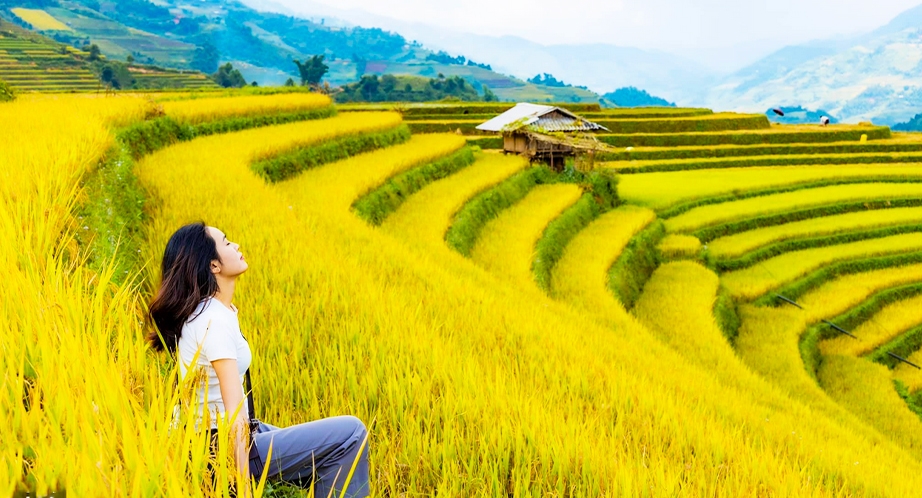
<point x="186" y="281"/>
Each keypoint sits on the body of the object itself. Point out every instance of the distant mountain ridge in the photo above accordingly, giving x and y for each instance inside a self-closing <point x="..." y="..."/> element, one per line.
<point x="201" y="34"/>
<point x="871" y="77"/>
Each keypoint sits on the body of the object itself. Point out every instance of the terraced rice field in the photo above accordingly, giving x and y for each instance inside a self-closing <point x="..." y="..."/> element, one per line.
<point x="734" y="312"/>
<point x="32" y="66"/>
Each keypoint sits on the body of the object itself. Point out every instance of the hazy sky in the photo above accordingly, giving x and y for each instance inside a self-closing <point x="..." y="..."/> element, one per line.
<point x="680" y="26"/>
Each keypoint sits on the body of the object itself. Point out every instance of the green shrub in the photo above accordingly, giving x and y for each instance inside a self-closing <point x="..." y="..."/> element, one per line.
<point x="378" y="204"/>
<point x="470" y="220"/>
<point x="637" y="262"/>
<point x="289" y="164"/>
<point x="7" y="94"/>
<point x="726" y="315"/>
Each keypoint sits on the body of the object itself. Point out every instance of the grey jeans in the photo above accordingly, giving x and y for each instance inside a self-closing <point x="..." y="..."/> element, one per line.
<point x="318" y="453"/>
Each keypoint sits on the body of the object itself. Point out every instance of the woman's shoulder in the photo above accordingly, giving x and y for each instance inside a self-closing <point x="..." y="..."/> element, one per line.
<point x="209" y="315"/>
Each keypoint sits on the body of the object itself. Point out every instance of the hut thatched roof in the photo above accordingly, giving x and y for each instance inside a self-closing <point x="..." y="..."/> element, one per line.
<point x="540" y="118"/>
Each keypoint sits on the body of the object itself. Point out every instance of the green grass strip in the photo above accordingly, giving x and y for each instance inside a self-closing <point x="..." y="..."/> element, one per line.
<point x="743" y="138"/>
<point x="470" y="220"/>
<point x="727" y="315"/>
<point x="811" y="338"/>
<point x="148" y="136"/>
<point x="913" y="401"/>
<point x="710" y="233"/>
<point x="905" y="345"/>
<point x="765" y="161"/>
<point x="289" y="164"/>
<point x="637" y="262"/>
<point x="600" y="196"/>
<point x="707" y="152"/>
<point x="773" y="250"/>
<point x="486" y="142"/>
<point x="378" y="204"/>
<point x="112" y="217"/>
<point x="708" y="123"/>
<point x="735" y="196"/>
<point x="796" y="289"/>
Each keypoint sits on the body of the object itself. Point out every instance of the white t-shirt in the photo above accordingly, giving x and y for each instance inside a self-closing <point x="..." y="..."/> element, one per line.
<point x="222" y="340"/>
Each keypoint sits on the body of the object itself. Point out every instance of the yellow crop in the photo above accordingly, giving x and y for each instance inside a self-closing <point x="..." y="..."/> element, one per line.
<point x="336" y="186"/>
<point x="679" y="246"/>
<point x="40" y="20"/>
<point x="662" y="189"/>
<point x="506" y="245"/>
<point x="196" y="111"/>
<point x="471" y="385"/>
<point x="427" y="215"/>
<point x="359" y="353"/>
<point x="65" y="333"/>
<point x="677" y="304"/>
<point x="768" y="342"/>
<point x="866" y="388"/>
<point x="778" y="203"/>
<point x="741" y="243"/>
<point x="580" y="275"/>
<point x="754" y="281"/>
<point x="839" y="295"/>
<point x="888" y="323"/>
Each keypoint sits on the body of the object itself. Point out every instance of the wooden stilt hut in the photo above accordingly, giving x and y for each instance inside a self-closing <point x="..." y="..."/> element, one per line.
<point x="543" y="133"/>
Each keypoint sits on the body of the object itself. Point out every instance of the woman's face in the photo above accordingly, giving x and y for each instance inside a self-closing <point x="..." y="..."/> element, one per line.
<point x="232" y="262"/>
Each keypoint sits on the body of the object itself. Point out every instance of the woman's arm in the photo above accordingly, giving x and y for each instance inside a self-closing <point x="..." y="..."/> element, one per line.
<point x="232" y="395"/>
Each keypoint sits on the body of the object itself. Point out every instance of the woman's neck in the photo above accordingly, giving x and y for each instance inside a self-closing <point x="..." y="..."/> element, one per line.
<point x="225" y="292"/>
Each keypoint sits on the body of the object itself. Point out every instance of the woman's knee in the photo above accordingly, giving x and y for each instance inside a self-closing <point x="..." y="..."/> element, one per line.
<point x="355" y="426"/>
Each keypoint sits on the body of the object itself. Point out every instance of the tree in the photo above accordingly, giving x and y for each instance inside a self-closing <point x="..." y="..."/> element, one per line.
<point x="116" y="76"/>
<point x="289" y="82"/>
<point x="228" y="77"/>
<point x="7" y="94"/>
<point x="488" y="95"/>
<point x="94" y="53"/>
<point x="312" y="70"/>
<point x="205" y="58"/>
<point x="130" y="59"/>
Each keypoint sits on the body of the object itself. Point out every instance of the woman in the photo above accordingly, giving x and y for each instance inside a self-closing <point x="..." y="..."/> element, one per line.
<point x="194" y="311"/>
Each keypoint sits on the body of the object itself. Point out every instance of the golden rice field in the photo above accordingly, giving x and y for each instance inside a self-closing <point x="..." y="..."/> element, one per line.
<point x="472" y="379"/>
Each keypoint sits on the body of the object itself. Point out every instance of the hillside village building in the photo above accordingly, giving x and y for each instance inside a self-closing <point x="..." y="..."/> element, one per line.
<point x="527" y="129"/>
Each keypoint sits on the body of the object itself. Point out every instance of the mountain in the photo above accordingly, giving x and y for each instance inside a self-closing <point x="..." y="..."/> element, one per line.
<point x="871" y="77"/>
<point x="600" y="67"/>
<point x="201" y="34"/>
